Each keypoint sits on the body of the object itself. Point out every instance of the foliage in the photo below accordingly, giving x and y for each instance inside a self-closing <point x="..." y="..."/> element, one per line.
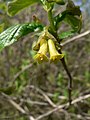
<point x="21" y="77"/>
<point x="69" y="15"/>
<point x="13" y="33"/>
<point x="17" y="5"/>
<point x="48" y="40"/>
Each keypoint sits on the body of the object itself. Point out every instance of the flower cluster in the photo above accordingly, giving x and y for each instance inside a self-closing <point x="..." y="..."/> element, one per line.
<point x="46" y="44"/>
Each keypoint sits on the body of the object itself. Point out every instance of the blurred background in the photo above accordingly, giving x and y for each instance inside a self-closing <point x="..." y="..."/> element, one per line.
<point x="26" y="82"/>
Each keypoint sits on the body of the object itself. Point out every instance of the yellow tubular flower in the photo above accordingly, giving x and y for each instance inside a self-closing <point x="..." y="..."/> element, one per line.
<point x="41" y="55"/>
<point x="54" y="55"/>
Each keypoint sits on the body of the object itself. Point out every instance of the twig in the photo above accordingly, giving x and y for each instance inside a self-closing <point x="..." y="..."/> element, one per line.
<point x="69" y="80"/>
<point x="63" y="106"/>
<point x="34" y="102"/>
<point x="64" y="63"/>
<point x="45" y="96"/>
<point x="60" y="97"/>
<point x="54" y="32"/>
<point x="14" y="103"/>
<point x="75" y="38"/>
<point x="17" y="106"/>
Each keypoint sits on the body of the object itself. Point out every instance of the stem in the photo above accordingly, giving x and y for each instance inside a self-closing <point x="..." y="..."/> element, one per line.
<point x="52" y="26"/>
<point x="51" y="20"/>
<point x="54" y="32"/>
<point x="70" y="79"/>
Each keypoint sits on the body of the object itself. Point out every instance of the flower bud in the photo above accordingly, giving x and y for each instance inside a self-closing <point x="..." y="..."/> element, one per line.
<point x="41" y="40"/>
<point x="35" y="46"/>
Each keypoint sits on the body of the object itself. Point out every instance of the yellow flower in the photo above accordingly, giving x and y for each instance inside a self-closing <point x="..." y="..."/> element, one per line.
<point x="54" y="54"/>
<point x="41" y="55"/>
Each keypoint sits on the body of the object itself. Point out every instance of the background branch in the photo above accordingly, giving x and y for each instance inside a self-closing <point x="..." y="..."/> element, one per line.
<point x="17" y="106"/>
<point x="44" y="95"/>
<point x="75" y="38"/>
<point x="79" y="99"/>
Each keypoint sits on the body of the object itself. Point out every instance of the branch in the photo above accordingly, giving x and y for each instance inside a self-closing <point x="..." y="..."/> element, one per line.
<point x="54" y="33"/>
<point x="75" y="38"/>
<point x="63" y="106"/>
<point x="59" y="97"/>
<point x="17" y="106"/>
<point x="69" y="80"/>
<point x="44" y="95"/>
<point x="34" y="102"/>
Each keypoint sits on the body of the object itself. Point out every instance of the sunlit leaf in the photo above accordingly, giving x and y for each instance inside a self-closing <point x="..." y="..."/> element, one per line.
<point x="13" y="33"/>
<point x="17" y="5"/>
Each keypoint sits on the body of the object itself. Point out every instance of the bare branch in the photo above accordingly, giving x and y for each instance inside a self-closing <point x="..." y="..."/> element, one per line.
<point x="34" y="102"/>
<point x="59" y="97"/>
<point x="17" y="106"/>
<point x="63" y="106"/>
<point x="45" y="96"/>
<point x="69" y="80"/>
<point x="75" y="38"/>
<point x="14" y="104"/>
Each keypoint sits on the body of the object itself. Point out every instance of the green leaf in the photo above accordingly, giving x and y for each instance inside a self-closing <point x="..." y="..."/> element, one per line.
<point x="74" y="11"/>
<point x="66" y="34"/>
<point x="60" y="2"/>
<point x="70" y="4"/>
<point x="59" y="18"/>
<point x="13" y="33"/>
<point x="75" y="15"/>
<point x="76" y="23"/>
<point x="15" y="6"/>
